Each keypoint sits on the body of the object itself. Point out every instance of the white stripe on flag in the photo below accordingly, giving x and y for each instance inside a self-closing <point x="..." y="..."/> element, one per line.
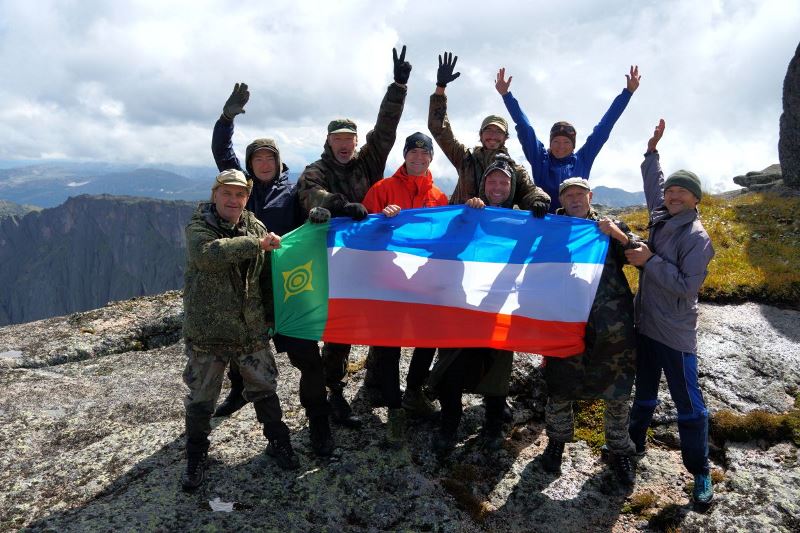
<point x="560" y="292"/>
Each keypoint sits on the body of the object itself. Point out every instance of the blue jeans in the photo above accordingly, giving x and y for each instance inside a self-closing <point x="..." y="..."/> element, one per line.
<point x="680" y="369"/>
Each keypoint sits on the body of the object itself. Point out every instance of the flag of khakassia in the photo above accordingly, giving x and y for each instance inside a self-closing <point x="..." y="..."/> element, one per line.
<point x="441" y="277"/>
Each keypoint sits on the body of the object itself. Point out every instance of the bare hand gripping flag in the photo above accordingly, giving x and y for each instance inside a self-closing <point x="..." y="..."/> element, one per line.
<point x="441" y="277"/>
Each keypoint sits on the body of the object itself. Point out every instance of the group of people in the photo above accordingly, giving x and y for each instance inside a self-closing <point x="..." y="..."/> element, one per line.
<point x="229" y="306"/>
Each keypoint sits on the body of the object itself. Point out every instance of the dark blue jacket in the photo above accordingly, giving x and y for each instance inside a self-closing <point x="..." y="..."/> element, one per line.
<point x="274" y="204"/>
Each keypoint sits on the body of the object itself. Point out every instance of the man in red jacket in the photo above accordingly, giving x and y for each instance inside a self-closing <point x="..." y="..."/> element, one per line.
<point x="411" y="186"/>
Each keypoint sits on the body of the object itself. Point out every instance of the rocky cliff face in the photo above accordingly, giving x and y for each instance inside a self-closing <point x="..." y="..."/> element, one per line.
<point x="89" y="251"/>
<point x="789" y="143"/>
<point x="91" y="425"/>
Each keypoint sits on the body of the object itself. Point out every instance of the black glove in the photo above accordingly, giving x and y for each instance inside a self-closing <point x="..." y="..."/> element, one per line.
<point x="236" y="101"/>
<point x="539" y="209"/>
<point x="402" y="68"/>
<point x="445" y="73"/>
<point x="319" y="215"/>
<point x="355" y="211"/>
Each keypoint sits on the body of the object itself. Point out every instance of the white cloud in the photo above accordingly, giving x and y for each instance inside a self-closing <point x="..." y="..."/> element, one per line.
<point x="144" y="81"/>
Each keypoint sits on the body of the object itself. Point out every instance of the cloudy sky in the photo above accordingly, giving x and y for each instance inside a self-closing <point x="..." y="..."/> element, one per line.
<point x="144" y="81"/>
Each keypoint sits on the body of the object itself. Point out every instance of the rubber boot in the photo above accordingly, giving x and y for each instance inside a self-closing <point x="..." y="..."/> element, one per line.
<point x="340" y="410"/>
<point x="321" y="439"/>
<point x="396" y="427"/>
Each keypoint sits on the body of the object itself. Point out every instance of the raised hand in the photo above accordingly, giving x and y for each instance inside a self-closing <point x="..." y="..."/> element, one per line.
<point x="657" y="134"/>
<point x="633" y="78"/>
<point x="236" y="101"/>
<point x="444" y="74"/>
<point x="501" y="84"/>
<point x="402" y="68"/>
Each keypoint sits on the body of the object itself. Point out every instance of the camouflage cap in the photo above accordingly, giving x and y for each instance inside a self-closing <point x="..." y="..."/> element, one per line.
<point x="574" y="182"/>
<point x="495" y="120"/>
<point x="342" y="125"/>
<point x="232" y="177"/>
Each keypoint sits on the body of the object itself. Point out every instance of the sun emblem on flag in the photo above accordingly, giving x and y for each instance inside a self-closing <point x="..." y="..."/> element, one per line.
<point x="297" y="280"/>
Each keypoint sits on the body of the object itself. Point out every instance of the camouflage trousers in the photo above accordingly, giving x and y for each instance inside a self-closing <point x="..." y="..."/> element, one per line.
<point x="560" y="424"/>
<point x="205" y="369"/>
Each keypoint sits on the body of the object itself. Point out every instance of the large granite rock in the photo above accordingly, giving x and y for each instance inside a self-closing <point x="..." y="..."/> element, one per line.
<point x="91" y="426"/>
<point x="789" y="143"/>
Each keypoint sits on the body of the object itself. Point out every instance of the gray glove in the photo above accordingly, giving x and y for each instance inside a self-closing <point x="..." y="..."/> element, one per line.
<point x="236" y="101"/>
<point x="319" y="215"/>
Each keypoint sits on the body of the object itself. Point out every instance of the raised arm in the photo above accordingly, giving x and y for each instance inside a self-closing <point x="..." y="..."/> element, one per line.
<point x="652" y="175"/>
<point x="532" y="147"/>
<point x="381" y="139"/>
<point x="588" y="152"/>
<point x="438" y="123"/>
<point x="221" y="145"/>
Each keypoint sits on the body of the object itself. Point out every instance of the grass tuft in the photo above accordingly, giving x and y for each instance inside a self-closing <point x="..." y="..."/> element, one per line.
<point x="772" y="427"/>
<point x="757" y="242"/>
<point x="640" y="503"/>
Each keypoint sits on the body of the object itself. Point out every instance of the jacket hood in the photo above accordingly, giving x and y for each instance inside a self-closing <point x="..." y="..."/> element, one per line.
<point x="258" y="144"/>
<point x="486" y="157"/>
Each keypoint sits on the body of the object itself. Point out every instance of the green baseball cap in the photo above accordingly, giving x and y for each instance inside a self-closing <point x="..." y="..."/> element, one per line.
<point x="342" y="125"/>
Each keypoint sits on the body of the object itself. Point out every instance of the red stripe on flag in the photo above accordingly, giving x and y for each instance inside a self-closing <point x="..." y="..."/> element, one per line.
<point x="384" y="323"/>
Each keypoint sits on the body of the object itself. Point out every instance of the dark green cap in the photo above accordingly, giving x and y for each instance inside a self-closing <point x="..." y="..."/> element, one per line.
<point x="686" y="179"/>
<point x="342" y="125"/>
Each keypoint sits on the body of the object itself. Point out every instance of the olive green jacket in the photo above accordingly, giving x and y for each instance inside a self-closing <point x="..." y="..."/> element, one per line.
<point x="471" y="163"/>
<point x="227" y="296"/>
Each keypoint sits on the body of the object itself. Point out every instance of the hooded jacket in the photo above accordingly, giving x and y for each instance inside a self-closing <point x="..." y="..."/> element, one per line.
<point x="405" y="191"/>
<point x="666" y="302"/>
<point x="330" y="184"/>
<point x="227" y="296"/>
<point x="275" y="203"/>
<point x="471" y="163"/>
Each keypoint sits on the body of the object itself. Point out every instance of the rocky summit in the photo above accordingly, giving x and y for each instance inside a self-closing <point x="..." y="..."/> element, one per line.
<point x="91" y="433"/>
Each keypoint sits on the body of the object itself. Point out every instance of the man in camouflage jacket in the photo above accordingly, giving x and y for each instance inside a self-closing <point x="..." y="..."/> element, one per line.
<point x="338" y="182"/>
<point x="471" y="164"/>
<point x="606" y="369"/>
<point x="227" y="302"/>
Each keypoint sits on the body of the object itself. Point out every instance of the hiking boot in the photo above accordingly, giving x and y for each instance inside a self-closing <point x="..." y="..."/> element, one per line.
<point x="551" y="458"/>
<point x="282" y="452"/>
<point x="417" y="403"/>
<point x="703" y="491"/>
<point x="195" y="473"/>
<point x="624" y="469"/>
<point x="443" y="443"/>
<point x="340" y="410"/>
<point x="396" y="427"/>
<point x="233" y="402"/>
<point x="492" y="436"/>
<point x="321" y="438"/>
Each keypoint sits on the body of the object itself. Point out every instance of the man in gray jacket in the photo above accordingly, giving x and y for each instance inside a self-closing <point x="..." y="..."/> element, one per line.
<point x="673" y="264"/>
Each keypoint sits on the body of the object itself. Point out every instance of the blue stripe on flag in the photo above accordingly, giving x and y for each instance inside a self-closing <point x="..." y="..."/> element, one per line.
<point x="491" y="235"/>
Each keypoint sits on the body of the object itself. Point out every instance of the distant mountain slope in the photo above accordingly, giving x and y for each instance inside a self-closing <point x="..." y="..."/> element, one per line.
<point x="88" y="251"/>
<point x="10" y="209"/>
<point x="613" y="197"/>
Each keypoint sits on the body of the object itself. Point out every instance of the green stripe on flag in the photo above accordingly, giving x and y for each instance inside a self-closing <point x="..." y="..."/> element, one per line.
<point x="300" y="282"/>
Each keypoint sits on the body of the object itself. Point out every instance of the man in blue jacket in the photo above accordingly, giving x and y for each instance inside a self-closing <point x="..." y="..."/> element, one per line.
<point x="274" y="202"/>
<point x="673" y="264"/>
<point x="561" y="161"/>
